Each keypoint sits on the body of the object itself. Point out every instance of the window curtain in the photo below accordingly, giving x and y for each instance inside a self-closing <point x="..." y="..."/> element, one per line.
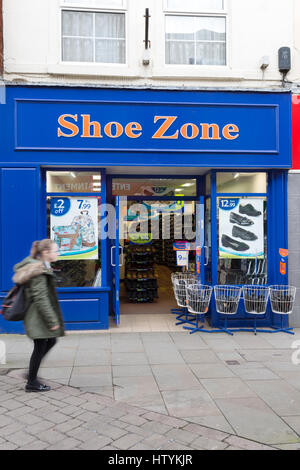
<point x="93" y="37"/>
<point x="195" y="40"/>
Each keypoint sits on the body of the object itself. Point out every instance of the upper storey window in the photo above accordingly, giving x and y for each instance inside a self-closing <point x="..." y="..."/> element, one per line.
<point x="94" y="35"/>
<point x="195" y="32"/>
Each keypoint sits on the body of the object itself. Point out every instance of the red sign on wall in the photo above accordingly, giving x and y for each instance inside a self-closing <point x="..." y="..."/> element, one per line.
<point x="296" y="131"/>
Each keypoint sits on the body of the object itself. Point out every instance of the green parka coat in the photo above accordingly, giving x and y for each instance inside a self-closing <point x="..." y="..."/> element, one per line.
<point x="40" y="291"/>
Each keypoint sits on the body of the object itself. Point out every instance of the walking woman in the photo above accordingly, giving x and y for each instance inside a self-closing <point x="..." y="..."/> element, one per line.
<point x="43" y="320"/>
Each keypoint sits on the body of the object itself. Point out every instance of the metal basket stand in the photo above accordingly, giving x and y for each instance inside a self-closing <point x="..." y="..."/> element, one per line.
<point x="255" y="302"/>
<point x="179" y="278"/>
<point x="180" y="295"/>
<point x="198" y="300"/>
<point x="227" y="300"/>
<point x="282" y="300"/>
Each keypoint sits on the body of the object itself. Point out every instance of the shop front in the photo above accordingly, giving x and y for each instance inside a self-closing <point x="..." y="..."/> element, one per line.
<point x="133" y="185"/>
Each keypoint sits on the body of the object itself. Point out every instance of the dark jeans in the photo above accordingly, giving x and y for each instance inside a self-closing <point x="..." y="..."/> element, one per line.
<point x="41" y="348"/>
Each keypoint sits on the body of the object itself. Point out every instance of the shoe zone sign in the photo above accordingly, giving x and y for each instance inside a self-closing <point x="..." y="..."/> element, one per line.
<point x="148" y="126"/>
<point x="241" y="228"/>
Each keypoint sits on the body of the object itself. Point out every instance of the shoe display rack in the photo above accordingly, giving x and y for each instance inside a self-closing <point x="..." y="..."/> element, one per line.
<point x="77" y="273"/>
<point x="140" y="275"/>
<point x="177" y="232"/>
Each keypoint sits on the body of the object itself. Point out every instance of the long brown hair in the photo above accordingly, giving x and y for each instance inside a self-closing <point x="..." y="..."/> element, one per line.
<point x="39" y="246"/>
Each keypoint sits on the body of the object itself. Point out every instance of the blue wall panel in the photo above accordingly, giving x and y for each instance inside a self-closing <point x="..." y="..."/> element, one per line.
<point x="18" y="202"/>
<point x="86" y="310"/>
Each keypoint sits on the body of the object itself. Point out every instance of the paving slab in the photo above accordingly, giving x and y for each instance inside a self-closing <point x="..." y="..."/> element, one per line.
<point x="246" y="385"/>
<point x="206" y="371"/>
<point x="185" y="403"/>
<point x="174" y="377"/>
<point x="227" y="388"/>
<point x="280" y="396"/>
<point x="252" y="419"/>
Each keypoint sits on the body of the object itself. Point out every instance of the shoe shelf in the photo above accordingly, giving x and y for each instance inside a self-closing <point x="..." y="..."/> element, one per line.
<point x="140" y="276"/>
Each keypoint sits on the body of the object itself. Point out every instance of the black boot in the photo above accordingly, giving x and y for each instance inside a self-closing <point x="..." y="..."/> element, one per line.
<point x="36" y="386"/>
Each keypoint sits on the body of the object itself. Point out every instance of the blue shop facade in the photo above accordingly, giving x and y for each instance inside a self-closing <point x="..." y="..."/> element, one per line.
<point x="69" y="154"/>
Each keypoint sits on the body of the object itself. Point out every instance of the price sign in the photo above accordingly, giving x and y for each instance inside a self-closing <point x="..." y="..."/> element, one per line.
<point x="182" y="258"/>
<point x="60" y="206"/>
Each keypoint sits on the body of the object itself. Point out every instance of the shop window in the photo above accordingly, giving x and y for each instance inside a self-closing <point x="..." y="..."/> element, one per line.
<point x="73" y="182"/>
<point x="73" y="222"/>
<point x="242" y="240"/>
<point x="93" y="37"/>
<point x="241" y="182"/>
<point x="154" y="187"/>
<point x="207" y="184"/>
<point x="194" y="39"/>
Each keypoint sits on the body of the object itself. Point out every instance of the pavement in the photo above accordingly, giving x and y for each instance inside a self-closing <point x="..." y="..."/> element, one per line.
<point x="154" y="390"/>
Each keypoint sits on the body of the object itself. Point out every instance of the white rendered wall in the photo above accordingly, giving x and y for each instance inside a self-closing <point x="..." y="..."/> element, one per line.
<point x="256" y="28"/>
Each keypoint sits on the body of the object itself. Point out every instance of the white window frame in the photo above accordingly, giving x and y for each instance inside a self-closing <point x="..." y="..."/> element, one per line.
<point x="195" y="71"/>
<point x="96" y="70"/>
<point x="84" y="6"/>
<point x="199" y="14"/>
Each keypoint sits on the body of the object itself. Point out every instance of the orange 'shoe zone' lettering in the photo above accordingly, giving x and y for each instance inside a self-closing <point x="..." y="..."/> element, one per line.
<point x="70" y="126"/>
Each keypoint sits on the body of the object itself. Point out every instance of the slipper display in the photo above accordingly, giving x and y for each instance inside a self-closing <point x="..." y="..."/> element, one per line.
<point x="239" y="220"/>
<point x="239" y="232"/>
<point x="248" y="209"/>
<point x="234" y="244"/>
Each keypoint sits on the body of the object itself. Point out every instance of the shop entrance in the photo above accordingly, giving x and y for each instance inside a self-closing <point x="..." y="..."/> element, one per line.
<point x="156" y="235"/>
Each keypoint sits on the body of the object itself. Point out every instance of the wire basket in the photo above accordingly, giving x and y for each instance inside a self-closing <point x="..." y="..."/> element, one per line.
<point x="189" y="276"/>
<point x="227" y="299"/>
<point x="198" y="298"/>
<point x="256" y="299"/>
<point x="180" y="292"/>
<point x="179" y="282"/>
<point x="282" y="299"/>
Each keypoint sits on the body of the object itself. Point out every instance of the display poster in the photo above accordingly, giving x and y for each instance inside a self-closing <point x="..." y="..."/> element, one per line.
<point x="241" y="228"/>
<point x="182" y="258"/>
<point x="74" y="227"/>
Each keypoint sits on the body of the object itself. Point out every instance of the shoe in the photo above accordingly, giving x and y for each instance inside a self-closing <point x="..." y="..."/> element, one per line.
<point x="234" y="244"/>
<point x="239" y="232"/>
<point x="248" y="209"/>
<point x="37" y="387"/>
<point x="238" y="219"/>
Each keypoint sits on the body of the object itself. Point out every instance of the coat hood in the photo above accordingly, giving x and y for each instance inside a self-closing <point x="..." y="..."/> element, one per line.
<point x="27" y="269"/>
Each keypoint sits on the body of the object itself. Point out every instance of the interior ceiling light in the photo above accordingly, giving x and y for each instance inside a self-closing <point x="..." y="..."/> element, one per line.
<point x="187" y="184"/>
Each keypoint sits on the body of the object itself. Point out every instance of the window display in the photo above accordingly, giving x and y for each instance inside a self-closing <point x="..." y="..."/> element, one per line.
<point x="234" y="240"/>
<point x="73" y="223"/>
<point x="74" y="226"/>
<point x="242" y="240"/>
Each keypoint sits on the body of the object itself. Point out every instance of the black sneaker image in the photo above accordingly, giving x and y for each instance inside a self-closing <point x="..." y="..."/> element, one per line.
<point x="234" y="244"/>
<point x="239" y="232"/>
<point x="238" y="219"/>
<point x="248" y="209"/>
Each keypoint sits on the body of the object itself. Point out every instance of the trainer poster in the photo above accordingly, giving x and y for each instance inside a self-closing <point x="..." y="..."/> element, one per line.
<point x="241" y="228"/>
<point x="74" y="227"/>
